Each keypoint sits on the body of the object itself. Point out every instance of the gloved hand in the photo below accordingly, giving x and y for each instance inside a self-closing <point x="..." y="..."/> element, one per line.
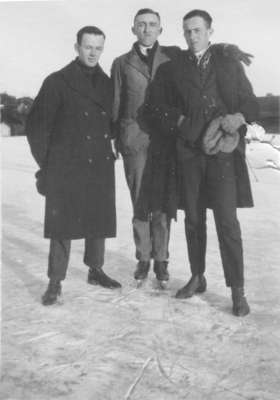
<point x="41" y="182"/>
<point x="232" y="122"/>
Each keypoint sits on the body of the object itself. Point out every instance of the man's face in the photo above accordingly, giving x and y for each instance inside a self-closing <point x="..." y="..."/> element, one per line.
<point x="147" y="29"/>
<point x="90" y="49"/>
<point x="197" y="33"/>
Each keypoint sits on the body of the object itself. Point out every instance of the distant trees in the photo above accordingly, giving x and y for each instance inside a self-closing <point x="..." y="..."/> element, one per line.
<point x="14" y="112"/>
<point x="269" y="112"/>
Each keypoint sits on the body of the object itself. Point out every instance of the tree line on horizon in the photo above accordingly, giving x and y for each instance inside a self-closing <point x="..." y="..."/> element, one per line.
<point x="14" y="112"/>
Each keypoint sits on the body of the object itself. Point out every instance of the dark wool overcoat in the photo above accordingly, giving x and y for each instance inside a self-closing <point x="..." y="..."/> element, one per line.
<point x="68" y="130"/>
<point x="174" y="90"/>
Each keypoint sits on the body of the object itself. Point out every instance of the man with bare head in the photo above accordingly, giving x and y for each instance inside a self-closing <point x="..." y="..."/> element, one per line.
<point x="131" y="74"/>
<point x="68" y="130"/>
<point x="203" y="101"/>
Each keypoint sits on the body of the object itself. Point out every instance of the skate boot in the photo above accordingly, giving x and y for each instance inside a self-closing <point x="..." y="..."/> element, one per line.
<point x="240" y="306"/>
<point x="96" y="276"/>
<point x="52" y="293"/>
<point x="141" y="272"/>
<point x="162" y="275"/>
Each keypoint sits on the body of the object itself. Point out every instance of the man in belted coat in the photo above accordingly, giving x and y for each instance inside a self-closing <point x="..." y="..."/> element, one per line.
<point x="69" y="133"/>
<point x="203" y="101"/>
<point x="131" y="75"/>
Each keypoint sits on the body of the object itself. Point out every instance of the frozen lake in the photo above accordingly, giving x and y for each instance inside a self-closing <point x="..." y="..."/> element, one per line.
<point x="97" y="343"/>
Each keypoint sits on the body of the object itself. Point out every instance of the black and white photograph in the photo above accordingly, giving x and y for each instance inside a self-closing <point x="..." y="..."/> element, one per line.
<point x="140" y="187"/>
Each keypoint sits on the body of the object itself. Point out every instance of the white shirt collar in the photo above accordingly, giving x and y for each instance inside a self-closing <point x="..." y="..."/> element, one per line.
<point x="201" y="53"/>
<point x="144" y="49"/>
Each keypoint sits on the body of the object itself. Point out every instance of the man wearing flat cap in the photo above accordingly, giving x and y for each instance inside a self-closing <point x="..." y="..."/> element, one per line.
<point x="203" y="101"/>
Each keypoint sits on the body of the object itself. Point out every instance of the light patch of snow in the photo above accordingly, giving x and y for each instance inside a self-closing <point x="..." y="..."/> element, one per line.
<point x="4" y="130"/>
<point x="263" y="150"/>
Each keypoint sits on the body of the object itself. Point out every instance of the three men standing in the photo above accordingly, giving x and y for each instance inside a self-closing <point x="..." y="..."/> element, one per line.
<point x="69" y="132"/>
<point x="192" y="95"/>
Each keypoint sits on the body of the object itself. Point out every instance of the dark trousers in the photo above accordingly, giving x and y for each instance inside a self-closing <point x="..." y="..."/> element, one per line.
<point x="211" y="180"/>
<point x="60" y="252"/>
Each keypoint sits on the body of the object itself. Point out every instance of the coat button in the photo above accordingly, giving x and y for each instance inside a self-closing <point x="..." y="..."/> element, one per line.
<point x="88" y="137"/>
<point x="90" y="160"/>
<point x="106" y="135"/>
<point x="86" y="113"/>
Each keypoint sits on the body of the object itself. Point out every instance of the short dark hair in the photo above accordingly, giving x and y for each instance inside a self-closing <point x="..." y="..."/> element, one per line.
<point x="146" y="11"/>
<point x="199" y="13"/>
<point x="91" y="30"/>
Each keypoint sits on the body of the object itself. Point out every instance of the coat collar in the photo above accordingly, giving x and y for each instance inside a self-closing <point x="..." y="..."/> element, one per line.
<point x="78" y="81"/>
<point x="159" y="58"/>
<point x="186" y="70"/>
<point x="135" y="61"/>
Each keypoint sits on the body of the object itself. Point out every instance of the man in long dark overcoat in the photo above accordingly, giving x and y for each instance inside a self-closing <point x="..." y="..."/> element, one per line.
<point x="69" y="133"/>
<point x="202" y="88"/>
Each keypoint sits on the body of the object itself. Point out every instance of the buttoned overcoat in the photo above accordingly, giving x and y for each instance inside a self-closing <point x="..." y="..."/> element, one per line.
<point x="68" y="130"/>
<point x="176" y="88"/>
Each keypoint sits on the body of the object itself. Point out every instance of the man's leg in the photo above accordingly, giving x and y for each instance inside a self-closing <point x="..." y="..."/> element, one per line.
<point x="58" y="262"/>
<point x="192" y="180"/>
<point x="94" y="259"/>
<point x="58" y="259"/>
<point x="160" y="230"/>
<point x="136" y="172"/>
<point x="223" y="192"/>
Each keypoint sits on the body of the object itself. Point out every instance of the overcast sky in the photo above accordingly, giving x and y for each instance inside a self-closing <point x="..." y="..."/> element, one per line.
<point x="37" y="37"/>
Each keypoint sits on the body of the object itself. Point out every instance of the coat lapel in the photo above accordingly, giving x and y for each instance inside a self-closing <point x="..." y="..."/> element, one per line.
<point x="159" y="58"/>
<point x="134" y="60"/>
<point x="186" y="73"/>
<point x="76" y="79"/>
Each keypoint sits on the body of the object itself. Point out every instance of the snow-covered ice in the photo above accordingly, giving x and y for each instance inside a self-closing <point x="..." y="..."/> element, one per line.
<point x="98" y="342"/>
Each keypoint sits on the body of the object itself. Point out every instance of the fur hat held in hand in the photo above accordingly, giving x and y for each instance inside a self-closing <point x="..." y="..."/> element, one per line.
<point x="217" y="139"/>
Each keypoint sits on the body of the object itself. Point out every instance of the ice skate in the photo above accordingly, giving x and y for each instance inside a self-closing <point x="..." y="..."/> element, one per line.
<point x="141" y="272"/>
<point x="162" y="275"/>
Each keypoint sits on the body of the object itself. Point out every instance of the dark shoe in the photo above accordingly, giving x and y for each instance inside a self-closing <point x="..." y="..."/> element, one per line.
<point x="160" y="269"/>
<point x="142" y="270"/>
<point x="240" y="306"/>
<point x="98" y="277"/>
<point x="52" y="293"/>
<point x="197" y="284"/>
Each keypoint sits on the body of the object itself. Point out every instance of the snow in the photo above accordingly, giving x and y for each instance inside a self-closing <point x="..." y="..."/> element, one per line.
<point x="98" y="343"/>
